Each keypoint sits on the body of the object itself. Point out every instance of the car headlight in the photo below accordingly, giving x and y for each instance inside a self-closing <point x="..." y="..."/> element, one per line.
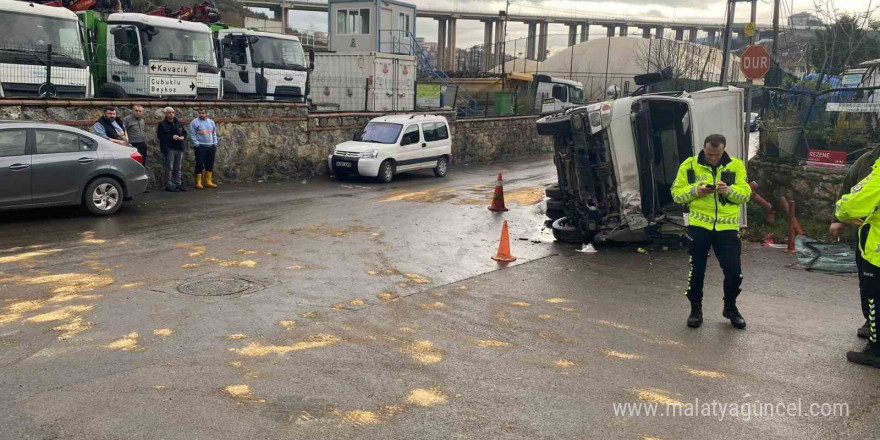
<point x="372" y="154"/>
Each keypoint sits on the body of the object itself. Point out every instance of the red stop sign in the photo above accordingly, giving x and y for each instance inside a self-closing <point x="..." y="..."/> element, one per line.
<point x="755" y="62"/>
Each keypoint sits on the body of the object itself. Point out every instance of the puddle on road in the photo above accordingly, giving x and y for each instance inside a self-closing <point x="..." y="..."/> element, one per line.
<point x="327" y="231"/>
<point x="491" y="343"/>
<point x="387" y="295"/>
<point x="424" y="196"/>
<point x="557" y="300"/>
<point x="163" y="332"/>
<point x="88" y="237"/>
<point x="236" y="336"/>
<point x="242" y="393"/>
<point x="288" y="325"/>
<point x="25" y="256"/>
<point x="564" y="363"/>
<point x="704" y="373"/>
<point x="520" y="304"/>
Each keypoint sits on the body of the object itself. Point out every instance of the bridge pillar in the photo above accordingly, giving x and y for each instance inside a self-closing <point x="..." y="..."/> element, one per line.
<point x="692" y="35"/>
<point x="285" y="20"/>
<point x="532" y="40"/>
<point x="488" y="42"/>
<point x="624" y="30"/>
<point x="658" y="32"/>
<point x="452" y="56"/>
<point x="441" y="44"/>
<point x="585" y="31"/>
<point x="679" y="34"/>
<point x="710" y="40"/>
<point x="572" y="34"/>
<point x="646" y="32"/>
<point x="610" y="30"/>
<point x="542" y="42"/>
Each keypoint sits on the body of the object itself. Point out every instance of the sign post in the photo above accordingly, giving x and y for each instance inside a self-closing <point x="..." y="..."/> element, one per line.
<point x="173" y="78"/>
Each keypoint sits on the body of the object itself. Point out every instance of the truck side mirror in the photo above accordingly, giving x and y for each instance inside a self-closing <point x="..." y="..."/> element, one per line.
<point x="219" y="52"/>
<point x="311" y="59"/>
<point x="252" y="39"/>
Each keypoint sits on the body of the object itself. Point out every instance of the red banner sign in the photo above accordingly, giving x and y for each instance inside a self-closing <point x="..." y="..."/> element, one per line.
<point x="827" y="156"/>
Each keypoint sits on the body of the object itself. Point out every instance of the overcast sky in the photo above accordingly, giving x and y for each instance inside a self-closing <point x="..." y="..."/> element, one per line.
<point x="470" y="33"/>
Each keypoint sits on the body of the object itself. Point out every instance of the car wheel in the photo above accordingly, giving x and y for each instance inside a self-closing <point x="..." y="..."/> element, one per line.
<point x="441" y="168"/>
<point x="103" y="196"/>
<point x="565" y="232"/>
<point x="386" y="172"/>
<point x="554" y="192"/>
<point x="556" y="124"/>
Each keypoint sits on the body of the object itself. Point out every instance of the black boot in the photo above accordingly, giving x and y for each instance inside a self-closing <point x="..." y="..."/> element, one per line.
<point x="870" y="356"/>
<point x="696" y="317"/>
<point x="864" y="331"/>
<point x="731" y="313"/>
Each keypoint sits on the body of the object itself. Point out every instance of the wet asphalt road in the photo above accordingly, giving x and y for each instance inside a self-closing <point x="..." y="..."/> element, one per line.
<point x="374" y="311"/>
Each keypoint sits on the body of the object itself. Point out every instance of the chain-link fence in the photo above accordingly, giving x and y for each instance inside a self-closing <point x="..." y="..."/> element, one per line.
<point x="814" y="116"/>
<point x="33" y="69"/>
<point x="356" y="93"/>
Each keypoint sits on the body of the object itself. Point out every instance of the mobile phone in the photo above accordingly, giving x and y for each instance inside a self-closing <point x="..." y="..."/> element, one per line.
<point x="712" y="187"/>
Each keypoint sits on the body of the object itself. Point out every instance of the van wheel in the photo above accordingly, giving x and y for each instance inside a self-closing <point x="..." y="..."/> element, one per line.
<point x="441" y="168"/>
<point x="566" y="232"/>
<point x="386" y="172"/>
<point x="103" y="196"/>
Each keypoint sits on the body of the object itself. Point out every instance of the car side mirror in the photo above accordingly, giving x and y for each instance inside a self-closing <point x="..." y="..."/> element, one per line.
<point x="357" y="136"/>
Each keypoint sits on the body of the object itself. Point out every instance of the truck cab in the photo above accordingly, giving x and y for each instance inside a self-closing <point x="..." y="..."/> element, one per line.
<point x="262" y="64"/>
<point x="556" y="94"/>
<point x="34" y="38"/>
<point x="616" y="161"/>
<point x="145" y="55"/>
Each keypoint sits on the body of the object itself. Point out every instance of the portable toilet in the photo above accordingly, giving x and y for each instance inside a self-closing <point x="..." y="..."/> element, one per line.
<point x="380" y="26"/>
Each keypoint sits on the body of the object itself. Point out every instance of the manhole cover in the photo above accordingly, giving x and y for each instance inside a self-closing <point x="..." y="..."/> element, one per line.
<point x="217" y="286"/>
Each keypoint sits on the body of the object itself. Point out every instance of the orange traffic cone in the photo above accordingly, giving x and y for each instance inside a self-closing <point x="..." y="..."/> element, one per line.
<point x="498" y="199"/>
<point x="503" y="254"/>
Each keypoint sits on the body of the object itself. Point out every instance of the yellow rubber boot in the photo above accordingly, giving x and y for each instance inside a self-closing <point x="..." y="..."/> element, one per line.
<point x="199" y="181"/>
<point x="208" y="182"/>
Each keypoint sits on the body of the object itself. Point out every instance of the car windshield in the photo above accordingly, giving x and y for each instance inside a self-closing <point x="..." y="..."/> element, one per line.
<point x="180" y="45"/>
<point x="278" y="53"/>
<point x="26" y="38"/>
<point x="381" y="132"/>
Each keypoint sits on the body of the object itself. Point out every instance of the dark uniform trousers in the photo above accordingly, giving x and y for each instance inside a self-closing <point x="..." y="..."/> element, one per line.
<point x="727" y="247"/>
<point x="865" y="291"/>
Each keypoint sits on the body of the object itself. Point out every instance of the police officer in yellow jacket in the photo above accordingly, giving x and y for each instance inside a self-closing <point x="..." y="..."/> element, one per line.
<point x="862" y="203"/>
<point x="713" y="185"/>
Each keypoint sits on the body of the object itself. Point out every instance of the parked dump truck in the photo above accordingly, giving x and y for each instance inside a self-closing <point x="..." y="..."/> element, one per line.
<point x="616" y="161"/>
<point x="41" y="52"/>
<point x="151" y="56"/>
<point x="263" y="65"/>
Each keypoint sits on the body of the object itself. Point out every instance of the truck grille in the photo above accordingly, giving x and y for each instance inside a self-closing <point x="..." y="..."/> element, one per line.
<point x="206" y="93"/>
<point x="15" y="90"/>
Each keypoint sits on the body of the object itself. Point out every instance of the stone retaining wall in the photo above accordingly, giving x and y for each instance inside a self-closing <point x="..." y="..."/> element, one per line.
<point x="265" y="140"/>
<point x="813" y="189"/>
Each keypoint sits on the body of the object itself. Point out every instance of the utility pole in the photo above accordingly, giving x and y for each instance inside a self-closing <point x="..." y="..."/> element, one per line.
<point x="504" y="45"/>
<point x="725" y="60"/>
<point x="775" y="74"/>
<point x="748" y="119"/>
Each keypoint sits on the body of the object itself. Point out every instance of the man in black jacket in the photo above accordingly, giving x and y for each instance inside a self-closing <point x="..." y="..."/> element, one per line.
<point x="171" y="136"/>
<point x="110" y="127"/>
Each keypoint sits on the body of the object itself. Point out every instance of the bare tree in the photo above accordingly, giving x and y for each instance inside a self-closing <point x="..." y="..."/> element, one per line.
<point x="689" y="61"/>
<point x="843" y="41"/>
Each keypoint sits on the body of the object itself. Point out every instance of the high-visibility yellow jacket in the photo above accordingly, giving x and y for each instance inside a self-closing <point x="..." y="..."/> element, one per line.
<point x="861" y="203"/>
<point x="712" y="211"/>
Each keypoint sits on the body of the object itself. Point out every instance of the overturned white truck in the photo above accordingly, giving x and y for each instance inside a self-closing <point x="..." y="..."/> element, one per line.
<point x="617" y="160"/>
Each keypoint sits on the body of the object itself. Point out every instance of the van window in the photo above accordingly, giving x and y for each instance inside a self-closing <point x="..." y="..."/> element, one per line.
<point x="435" y="131"/>
<point x="411" y="135"/>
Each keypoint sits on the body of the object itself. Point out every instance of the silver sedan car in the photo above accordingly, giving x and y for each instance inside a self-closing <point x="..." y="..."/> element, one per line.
<point x="51" y="165"/>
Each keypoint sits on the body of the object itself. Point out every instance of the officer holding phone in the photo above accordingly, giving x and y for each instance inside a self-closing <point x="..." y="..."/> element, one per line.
<point x="713" y="185"/>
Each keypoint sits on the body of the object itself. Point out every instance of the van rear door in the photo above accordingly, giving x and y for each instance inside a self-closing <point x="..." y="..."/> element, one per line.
<point x="719" y="110"/>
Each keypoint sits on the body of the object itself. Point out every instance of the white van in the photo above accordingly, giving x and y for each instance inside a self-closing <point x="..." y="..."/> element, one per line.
<point x="392" y="144"/>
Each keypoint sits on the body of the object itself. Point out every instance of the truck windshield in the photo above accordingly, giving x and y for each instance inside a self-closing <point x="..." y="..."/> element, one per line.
<point x="277" y="53"/>
<point x="26" y="38"/>
<point x="577" y="95"/>
<point x="180" y="45"/>
<point x="381" y="132"/>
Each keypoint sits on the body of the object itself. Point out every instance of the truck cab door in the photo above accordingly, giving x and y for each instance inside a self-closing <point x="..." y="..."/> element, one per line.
<point x="237" y="62"/>
<point x="125" y="60"/>
<point x="719" y="110"/>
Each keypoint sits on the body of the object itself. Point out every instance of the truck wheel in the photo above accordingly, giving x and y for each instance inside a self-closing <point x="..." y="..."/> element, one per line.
<point x="229" y="90"/>
<point x="565" y="232"/>
<point x="554" y="214"/>
<point x="554" y="192"/>
<point x="555" y="205"/>
<point x="552" y="125"/>
<point x="112" y="91"/>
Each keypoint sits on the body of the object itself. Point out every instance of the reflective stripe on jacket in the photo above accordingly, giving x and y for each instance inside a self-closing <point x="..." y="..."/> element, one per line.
<point x="712" y="212"/>
<point x="861" y="203"/>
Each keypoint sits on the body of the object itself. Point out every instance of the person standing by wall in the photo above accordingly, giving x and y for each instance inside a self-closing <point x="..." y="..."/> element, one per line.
<point x="859" y="170"/>
<point x="171" y="136"/>
<point x="110" y="127"/>
<point x="714" y="186"/>
<point x="203" y="133"/>
<point x="135" y="126"/>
